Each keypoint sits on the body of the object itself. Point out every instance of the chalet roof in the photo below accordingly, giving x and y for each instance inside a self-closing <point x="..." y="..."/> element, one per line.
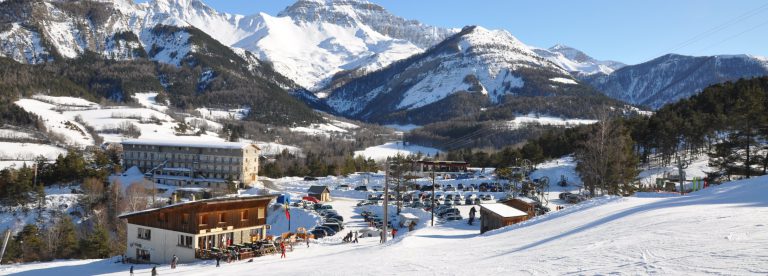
<point x="503" y="210"/>
<point x="318" y="189"/>
<point x="191" y="144"/>
<point x="200" y="202"/>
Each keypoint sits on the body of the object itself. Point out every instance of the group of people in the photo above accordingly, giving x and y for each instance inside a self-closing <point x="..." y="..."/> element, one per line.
<point x="384" y="234"/>
<point x="350" y="237"/>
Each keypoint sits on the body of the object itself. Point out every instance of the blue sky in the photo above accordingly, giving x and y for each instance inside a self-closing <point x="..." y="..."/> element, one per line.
<point x="627" y="31"/>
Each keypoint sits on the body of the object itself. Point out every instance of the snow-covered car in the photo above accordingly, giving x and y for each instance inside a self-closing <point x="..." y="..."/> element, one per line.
<point x="369" y="232"/>
<point x="487" y="197"/>
<point x="343" y="187"/>
<point x="448" y="211"/>
<point x="449" y="197"/>
<point x="563" y="195"/>
<point x="575" y="198"/>
<point x="458" y="201"/>
<point x="452" y="217"/>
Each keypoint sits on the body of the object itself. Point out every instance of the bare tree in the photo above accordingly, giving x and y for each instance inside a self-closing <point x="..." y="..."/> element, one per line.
<point x="137" y="196"/>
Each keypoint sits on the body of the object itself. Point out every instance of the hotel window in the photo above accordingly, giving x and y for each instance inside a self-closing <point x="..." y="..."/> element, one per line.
<point x="185" y="241"/>
<point x="203" y="219"/>
<point x="222" y="217"/>
<point x="244" y="215"/>
<point x="144" y="234"/>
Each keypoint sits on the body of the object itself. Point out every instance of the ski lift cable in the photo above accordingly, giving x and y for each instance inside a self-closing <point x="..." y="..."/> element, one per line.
<point x="713" y="30"/>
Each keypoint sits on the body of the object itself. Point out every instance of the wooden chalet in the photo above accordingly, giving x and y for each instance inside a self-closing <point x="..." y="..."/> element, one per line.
<point x="322" y="193"/>
<point x="193" y="230"/>
<point x="497" y="215"/>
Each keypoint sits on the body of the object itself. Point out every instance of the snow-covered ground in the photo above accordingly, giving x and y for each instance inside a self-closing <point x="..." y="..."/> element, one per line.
<point x="58" y="201"/>
<point x="60" y="113"/>
<point x="391" y="149"/>
<point x="720" y="230"/>
<point x="221" y="114"/>
<point x="28" y="151"/>
<point x="332" y="127"/>
<point x="403" y="128"/>
<point x="532" y="119"/>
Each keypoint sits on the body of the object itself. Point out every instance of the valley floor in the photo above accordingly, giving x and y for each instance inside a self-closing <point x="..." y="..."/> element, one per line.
<point x="720" y="230"/>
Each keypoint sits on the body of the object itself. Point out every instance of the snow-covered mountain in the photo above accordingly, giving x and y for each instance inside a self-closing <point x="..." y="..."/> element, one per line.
<point x="477" y="61"/>
<point x="312" y="41"/>
<point x="673" y="77"/>
<point x="577" y="62"/>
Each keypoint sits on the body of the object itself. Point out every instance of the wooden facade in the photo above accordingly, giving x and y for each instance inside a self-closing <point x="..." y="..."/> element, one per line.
<point x="522" y="205"/>
<point x="201" y="216"/>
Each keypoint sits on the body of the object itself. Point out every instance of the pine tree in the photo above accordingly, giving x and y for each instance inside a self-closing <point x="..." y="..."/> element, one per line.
<point x="66" y="238"/>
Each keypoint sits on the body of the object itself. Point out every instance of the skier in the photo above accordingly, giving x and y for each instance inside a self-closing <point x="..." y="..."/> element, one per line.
<point x="154" y="271"/>
<point x="282" y="247"/>
<point x="472" y="215"/>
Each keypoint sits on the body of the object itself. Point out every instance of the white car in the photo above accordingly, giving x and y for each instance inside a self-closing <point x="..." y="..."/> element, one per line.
<point x="369" y="232"/>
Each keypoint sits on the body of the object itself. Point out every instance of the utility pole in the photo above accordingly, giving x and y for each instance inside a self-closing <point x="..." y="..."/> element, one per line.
<point x="432" y="209"/>
<point x="5" y="243"/>
<point x="386" y="202"/>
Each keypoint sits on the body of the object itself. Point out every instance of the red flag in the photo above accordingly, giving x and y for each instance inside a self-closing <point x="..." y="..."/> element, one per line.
<point x="287" y="213"/>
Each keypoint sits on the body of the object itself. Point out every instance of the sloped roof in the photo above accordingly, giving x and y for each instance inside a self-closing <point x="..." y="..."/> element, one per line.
<point x="318" y="189"/>
<point x="199" y="202"/>
<point x="503" y="210"/>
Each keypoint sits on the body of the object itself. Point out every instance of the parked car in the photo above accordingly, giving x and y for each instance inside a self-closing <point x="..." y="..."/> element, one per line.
<point x="449" y="197"/>
<point x="469" y="201"/>
<point x="310" y="178"/>
<point x="335" y="226"/>
<point x="310" y="199"/>
<point x="452" y="217"/>
<point x="448" y="211"/>
<point x="460" y="187"/>
<point x="426" y="188"/>
<point x="563" y="195"/>
<point x="328" y="230"/>
<point x="318" y="233"/>
<point x="378" y="188"/>
<point x="575" y="198"/>
<point x="417" y="204"/>
<point x="457" y="201"/>
<point x="343" y="187"/>
<point x="326" y="207"/>
<point x="487" y="197"/>
<point x="361" y="188"/>
<point x="334" y="220"/>
<point x="449" y="188"/>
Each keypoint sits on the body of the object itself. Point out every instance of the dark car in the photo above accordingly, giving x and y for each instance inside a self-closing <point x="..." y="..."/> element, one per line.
<point x="361" y="188"/>
<point x="319" y="233"/>
<point x="335" y="226"/>
<point x="334" y="220"/>
<point x="338" y="217"/>
<point x="574" y="198"/>
<point x="310" y="178"/>
<point x="563" y="195"/>
<point x="327" y="230"/>
<point x="460" y="187"/>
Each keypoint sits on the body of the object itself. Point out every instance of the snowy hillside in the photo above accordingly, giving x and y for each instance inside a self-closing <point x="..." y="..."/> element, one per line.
<point x="491" y="63"/>
<point x="672" y="77"/>
<point x="577" y="61"/>
<point x="392" y="149"/>
<point x="720" y="230"/>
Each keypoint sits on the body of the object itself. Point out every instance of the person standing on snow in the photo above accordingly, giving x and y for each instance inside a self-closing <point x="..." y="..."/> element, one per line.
<point x="131" y="270"/>
<point x="394" y="232"/>
<point x="154" y="271"/>
<point x="282" y="247"/>
<point x="472" y="215"/>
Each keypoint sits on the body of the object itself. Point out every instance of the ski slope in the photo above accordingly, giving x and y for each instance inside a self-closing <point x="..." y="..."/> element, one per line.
<point x="720" y="230"/>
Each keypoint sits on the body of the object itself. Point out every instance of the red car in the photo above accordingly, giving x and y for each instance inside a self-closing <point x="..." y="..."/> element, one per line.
<point x="311" y="199"/>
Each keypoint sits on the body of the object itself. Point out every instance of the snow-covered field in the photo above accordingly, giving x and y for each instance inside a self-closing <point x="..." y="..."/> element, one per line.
<point x="333" y="127"/>
<point x="391" y="149"/>
<point x="720" y="230"/>
<point x="531" y="119"/>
